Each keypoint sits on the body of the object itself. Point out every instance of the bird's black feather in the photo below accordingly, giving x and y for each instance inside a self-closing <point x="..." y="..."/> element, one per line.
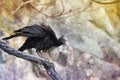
<point x="15" y="35"/>
<point x="42" y="37"/>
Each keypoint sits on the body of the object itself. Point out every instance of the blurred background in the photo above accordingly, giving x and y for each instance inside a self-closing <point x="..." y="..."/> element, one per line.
<point x="92" y="28"/>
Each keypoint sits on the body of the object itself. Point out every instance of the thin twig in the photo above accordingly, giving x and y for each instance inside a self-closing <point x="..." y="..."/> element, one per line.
<point x="47" y="65"/>
<point x="33" y="6"/>
<point x="22" y="4"/>
<point x="106" y="2"/>
<point x="76" y="11"/>
<point x="62" y="12"/>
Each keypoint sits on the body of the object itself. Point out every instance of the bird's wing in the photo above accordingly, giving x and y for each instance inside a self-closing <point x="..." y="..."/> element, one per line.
<point x="49" y="31"/>
<point x="44" y="44"/>
<point x="31" y="31"/>
<point x="34" y="31"/>
<point x="29" y="43"/>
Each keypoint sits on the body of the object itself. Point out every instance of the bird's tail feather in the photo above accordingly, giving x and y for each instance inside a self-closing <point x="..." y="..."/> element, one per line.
<point x="15" y="35"/>
<point x="17" y="31"/>
<point x="22" y="48"/>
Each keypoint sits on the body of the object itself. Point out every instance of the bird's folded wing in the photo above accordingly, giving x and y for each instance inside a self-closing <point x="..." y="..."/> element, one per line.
<point x="49" y="31"/>
<point x="31" y="31"/>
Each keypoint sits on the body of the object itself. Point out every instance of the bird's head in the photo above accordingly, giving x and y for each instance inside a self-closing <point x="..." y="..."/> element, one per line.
<point x="61" y="41"/>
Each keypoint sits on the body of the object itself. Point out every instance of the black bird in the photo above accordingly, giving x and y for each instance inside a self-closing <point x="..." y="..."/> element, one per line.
<point x="40" y="37"/>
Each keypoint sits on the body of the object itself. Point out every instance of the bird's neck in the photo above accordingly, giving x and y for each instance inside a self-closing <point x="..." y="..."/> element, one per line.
<point x="57" y="43"/>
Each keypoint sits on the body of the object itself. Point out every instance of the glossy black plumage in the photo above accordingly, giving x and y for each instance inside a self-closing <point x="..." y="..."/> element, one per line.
<point x="40" y="37"/>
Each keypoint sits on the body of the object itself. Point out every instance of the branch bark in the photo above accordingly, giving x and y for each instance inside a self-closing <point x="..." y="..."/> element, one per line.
<point x="106" y="2"/>
<point x="47" y="65"/>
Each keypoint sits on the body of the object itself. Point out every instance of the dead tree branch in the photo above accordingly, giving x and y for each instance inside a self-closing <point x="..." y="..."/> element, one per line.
<point x="106" y="2"/>
<point x="47" y="65"/>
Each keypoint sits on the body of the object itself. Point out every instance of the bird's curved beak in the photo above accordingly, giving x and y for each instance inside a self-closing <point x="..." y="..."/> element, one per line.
<point x="68" y="45"/>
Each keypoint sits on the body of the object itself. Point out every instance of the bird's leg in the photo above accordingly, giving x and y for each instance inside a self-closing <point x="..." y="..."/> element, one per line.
<point x="40" y="54"/>
<point x="48" y="54"/>
<point x="39" y="70"/>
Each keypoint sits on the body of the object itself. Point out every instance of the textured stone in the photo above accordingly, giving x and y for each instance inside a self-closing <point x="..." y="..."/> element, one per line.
<point x="93" y="35"/>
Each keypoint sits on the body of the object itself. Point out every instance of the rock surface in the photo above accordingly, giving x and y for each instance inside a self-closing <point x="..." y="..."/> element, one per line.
<point x="94" y="52"/>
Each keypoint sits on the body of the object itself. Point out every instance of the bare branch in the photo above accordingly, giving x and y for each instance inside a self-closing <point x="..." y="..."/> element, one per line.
<point x="49" y="3"/>
<point x="47" y="65"/>
<point x="76" y="11"/>
<point x="23" y="4"/>
<point x="31" y="2"/>
<point x="106" y="2"/>
<point x="62" y="12"/>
